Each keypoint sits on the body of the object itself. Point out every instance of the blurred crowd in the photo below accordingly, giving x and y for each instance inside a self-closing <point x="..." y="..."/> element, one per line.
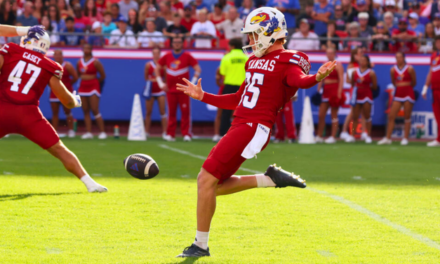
<point x="373" y="25"/>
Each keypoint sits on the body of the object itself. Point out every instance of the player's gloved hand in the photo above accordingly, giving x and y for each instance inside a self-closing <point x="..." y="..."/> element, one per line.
<point x="78" y="102"/>
<point x="35" y="32"/>
<point x="192" y="90"/>
<point x="325" y="70"/>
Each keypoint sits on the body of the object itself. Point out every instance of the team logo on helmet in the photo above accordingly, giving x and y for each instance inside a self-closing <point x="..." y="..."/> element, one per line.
<point x="260" y="18"/>
<point x="273" y="26"/>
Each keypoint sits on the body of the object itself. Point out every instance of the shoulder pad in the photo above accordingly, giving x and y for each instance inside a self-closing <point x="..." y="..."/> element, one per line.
<point x="297" y="58"/>
<point x="53" y="67"/>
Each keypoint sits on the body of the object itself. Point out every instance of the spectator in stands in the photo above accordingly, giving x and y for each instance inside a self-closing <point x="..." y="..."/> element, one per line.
<point x="415" y="26"/>
<point x="204" y="30"/>
<point x="187" y="20"/>
<point x="91" y="12"/>
<point x="38" y="9"/>
<point x="160" y="22"/>
<point x="165" y="12"/>
<point x="150" y="37"/>
<point x="245" y="9"/>
<point x="304" y="39"/>
<point x="27" y="19"/>
<point x="231" y="26"/>
<point x="404" y="38"/>
<point x="365" y="30"/>
<point x="176" y="7"/>
<point x="290" y="9"/>
<point x="116" y="15"/>
<point x="321" y="14"/>
<point x="55" y="19"/>
<point x="7" y="16"/>
<point x="96" y="41"/>
<point x="340" y="19"/>
<point x="102" y="6"/>
<point x="362" y="7"/>
<point x="388" y="18"/>
<point x="428" y="39"/>
<point x="123" y="37"/>
<point x="108" y="26"/>
<point x="354" y="33"/>
<point x="307" y="15"/>
<point x="391" y="7"/>
<point x="81" y="22"/>
<point x="200" y="5"/>
<point x="422" y="20"/>
<point x="176" y="30"/>
<point x="54" y="38"/>
<point x="65" y="10"/>
<point x="217" y="16"/>
<point x="133" y="21"/>
<point x="382" y="38"/>
<point x="347" y="8"/>
<point x="434" y="9"/>
<point x="71" y="40"/>
<point x="126" y="5"/>
<point x="332" y="40"/>
<point x="436" y="23"/>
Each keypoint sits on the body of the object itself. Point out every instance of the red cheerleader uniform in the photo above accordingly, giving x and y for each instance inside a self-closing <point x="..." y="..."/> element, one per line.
<point x="89" y="87"/>
<point x="362" y="87"/>
<point x="403" y="93"/>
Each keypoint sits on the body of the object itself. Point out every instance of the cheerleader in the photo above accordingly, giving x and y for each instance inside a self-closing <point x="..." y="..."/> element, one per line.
<point x="364" y="81"/>
<point x="403" y="78"/>
<point x="332" y="97"/>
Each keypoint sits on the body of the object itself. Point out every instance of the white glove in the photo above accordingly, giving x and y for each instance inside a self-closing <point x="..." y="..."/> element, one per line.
<point x="160" y="82"/>
<point x="78" y="102"/>
<point x="425" y="90"/>
<point x="194" y="80"/>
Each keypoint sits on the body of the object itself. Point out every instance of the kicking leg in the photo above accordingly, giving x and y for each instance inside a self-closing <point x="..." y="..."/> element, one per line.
<point x="73" y="165"/>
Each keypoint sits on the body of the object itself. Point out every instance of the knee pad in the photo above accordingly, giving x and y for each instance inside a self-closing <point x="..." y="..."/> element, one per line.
<point x="98" y="116"/>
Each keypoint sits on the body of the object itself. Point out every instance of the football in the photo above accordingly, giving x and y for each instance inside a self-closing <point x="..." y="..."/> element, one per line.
<point x="141" y="166"/>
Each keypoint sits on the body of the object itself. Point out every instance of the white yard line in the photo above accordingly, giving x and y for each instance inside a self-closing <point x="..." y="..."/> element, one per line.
<point x="352" y="205"/>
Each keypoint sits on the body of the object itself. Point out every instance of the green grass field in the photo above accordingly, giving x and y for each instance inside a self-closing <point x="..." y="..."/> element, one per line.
<point x="363" y="204"/>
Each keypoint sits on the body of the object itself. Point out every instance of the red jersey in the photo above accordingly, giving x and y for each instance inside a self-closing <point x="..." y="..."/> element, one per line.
<point x="155" y="89"/>
<point x="177" y="68"/>
<point x="271" y="81"/>
<point x="435" y="70"/>
<point x="87" y="67"/>
<point x="25" y="74"/>
<point x="362" y="80"/>
<point x="405" y="46"/>
<point x="402" y="75"/>
<point x="188" y="24"/>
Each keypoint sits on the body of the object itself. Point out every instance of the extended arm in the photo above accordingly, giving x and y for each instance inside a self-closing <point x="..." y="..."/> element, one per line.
<point x="340" y="70"/>
<point x="12" y="31"/>
<point x="373" y="80"/>
<point x="295" y="77"/>
<point x="412" y="72"/>
<point x="427" y="84"/>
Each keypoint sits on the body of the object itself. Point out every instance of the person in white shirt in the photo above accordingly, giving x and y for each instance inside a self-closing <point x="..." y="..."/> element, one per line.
<point x="231" y="26"/>
<point x="205" y="29"/>
<point x="123" y="37"/>
<point x="306" y="40"/>
<point x="150" y="37"/>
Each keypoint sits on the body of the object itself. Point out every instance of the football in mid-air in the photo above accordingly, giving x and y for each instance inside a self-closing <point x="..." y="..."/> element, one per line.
<point x="141" y="166"/>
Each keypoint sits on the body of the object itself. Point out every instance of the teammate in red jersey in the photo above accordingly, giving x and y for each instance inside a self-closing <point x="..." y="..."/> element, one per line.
<point x="364" y="81"/>
<point x="152" y="92"/>
<point x="332" y="97"/>
<point x="288" y="122"/>
<point x="403" y="77"/>
<point x="69" y="77"/>
<point x="25" y="73"/>
<point x="90" y="90"/>
<point x="273" y="76"/>
<point x="177" y="65"/>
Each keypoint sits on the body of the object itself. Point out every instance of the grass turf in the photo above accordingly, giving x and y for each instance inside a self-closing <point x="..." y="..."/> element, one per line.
<point x="48" y="217"/>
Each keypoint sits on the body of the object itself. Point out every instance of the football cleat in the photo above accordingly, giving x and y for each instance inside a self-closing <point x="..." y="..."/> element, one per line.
<point x="283" y="178"/>
<point x="97" y="189"/>
<point x="194" y="251"/>
<point x="168" y="138"/>
<point x="187" y="138"/>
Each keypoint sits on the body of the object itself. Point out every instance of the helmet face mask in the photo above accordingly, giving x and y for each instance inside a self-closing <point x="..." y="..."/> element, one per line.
<point x="41" y="45"/>
<point x="266" y="25"/>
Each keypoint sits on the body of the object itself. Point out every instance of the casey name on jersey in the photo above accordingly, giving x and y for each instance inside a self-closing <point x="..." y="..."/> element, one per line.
<point x="31" y="57"/>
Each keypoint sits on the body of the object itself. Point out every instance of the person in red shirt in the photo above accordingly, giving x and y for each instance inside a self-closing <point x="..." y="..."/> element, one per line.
<point x="433" y="80"/>
<point x="92" y="75"/>
<point x="364" y="80"/>
<point x="70" y="76"/>
<point x="177" y="63"/>
<point x="332" y="97"/>
<point x="273" y="76"/>
<point x="187" y="20"/>
<point x="152" y="92"/>
<point x="403" y="77"/>
<point x="81" y="22"/>
<point x="25" y="73"/>
<point x="288" y="122"/>
<point x="405" y="39"/>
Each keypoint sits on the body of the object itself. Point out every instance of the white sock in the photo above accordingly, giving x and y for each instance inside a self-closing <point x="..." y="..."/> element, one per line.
<point x="202" y="239"/>
<point x="88" y="181"/>
<point x="264" y="181"/>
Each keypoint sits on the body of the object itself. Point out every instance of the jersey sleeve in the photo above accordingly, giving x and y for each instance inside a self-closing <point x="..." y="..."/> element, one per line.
<point x="297" y="70"/>
<point x="225" y="101"/>
<point x="53" y="67"/>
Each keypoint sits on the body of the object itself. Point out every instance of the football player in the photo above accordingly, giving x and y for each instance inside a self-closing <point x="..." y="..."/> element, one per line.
<point x="25" y="73"/>
<point x="273" y="76"/>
